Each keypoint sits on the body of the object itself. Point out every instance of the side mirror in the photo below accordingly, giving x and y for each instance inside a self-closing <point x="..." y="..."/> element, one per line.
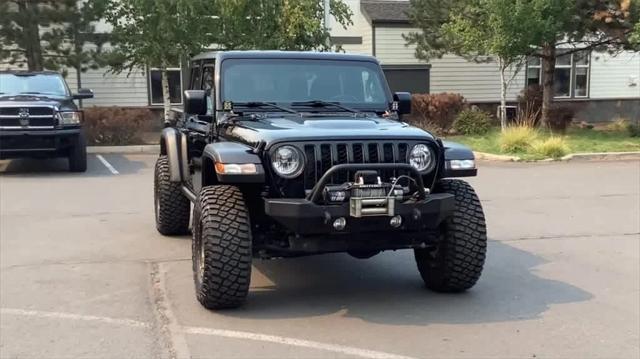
<point x="83" y="94"/>
<point x="195" y="102"/>
<point x="402" y="103"/>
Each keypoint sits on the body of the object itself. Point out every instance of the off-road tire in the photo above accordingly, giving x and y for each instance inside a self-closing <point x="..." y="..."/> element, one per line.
<point x="78" y="155"/>
<point x="222" y="231"/>
<point x="457" y="262"/>
<point x="171" y="206"/>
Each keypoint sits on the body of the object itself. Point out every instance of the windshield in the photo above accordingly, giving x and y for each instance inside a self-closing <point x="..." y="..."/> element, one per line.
<point x="45" y="84"/>
<point x="357" y="84"/>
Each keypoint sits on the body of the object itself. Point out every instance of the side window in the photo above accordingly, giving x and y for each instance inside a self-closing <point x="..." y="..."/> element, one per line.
<point x="207" y="78"/>
<point x="195" y="78"/>
<point x="207" y="85"/>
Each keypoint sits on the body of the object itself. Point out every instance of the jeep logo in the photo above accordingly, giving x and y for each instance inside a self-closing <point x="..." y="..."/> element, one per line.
<point x="23" y="113"/>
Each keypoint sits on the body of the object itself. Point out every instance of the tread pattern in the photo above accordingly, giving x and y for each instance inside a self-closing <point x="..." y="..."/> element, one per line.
<point x="221" y="224"/>
<point x="78" y="155"/>
<point x="172" y="211"/>
<point x="457" y="263"/>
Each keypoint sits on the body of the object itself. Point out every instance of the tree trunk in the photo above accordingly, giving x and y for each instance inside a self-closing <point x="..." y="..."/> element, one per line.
<point x="548" y="69"/>
<point x="32" y="46"/>
<point x="77" y="63"/>
<point x="165" y="94"/>
<point x="503" y="96"/>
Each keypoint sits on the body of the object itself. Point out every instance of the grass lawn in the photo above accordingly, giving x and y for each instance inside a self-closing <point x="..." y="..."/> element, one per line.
<point x="578" y="140"/>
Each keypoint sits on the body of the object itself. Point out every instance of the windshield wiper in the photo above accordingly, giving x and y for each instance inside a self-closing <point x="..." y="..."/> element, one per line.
<point x="257" y="104"/>
<point x="321" y="103"/>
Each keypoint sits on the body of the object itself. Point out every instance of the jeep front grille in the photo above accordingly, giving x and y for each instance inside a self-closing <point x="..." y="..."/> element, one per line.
<point x="25" y="117"/>
<point x="322" y="156"/>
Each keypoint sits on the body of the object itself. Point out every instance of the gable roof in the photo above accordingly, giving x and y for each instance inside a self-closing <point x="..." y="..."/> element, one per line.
<point x="386" y="11"/>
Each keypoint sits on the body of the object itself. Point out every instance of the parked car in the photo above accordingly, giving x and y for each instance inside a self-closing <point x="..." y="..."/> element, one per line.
<point x="287" y="154"/>
<point x="38" y="118"/>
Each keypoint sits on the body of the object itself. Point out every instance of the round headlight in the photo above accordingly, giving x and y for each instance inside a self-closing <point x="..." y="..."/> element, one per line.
<point x="422" y="158"/>
<point x="287" y="161"/>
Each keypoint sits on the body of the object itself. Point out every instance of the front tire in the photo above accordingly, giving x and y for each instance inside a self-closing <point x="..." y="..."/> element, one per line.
<point x="171" y="206"/>
<point x="455" y="265"/>
<point x="222" y="251"/>
<point x="78" y="155"/>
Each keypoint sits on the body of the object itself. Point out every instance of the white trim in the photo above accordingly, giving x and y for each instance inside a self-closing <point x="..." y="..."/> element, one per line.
<point x="151" y="87"/>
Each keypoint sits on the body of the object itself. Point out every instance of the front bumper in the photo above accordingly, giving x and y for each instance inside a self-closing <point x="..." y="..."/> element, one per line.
<point x="23" y="143"/>
<point x="306" y="218"/>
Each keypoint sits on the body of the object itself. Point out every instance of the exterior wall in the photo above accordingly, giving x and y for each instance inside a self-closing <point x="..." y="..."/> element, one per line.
<point x="112" y="90"/>
<point x="615" y="76"/>
<point x="477" y="82"/>
<point x="390" y="46"/>
<point x="360" y="27"/>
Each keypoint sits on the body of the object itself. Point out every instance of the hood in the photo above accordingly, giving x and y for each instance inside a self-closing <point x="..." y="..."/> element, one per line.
<point x="319" y="128"/>
<point x="63" y="103"/>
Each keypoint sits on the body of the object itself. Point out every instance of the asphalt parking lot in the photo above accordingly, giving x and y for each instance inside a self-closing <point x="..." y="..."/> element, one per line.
<point x="84" y="274"/>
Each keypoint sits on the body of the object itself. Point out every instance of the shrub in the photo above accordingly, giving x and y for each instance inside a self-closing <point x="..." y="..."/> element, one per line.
<point x="554" y="147"/>
<point x="529" y="106"/>
<point x="115" y="125"/>
<point x="560" y="117"/>
<point x="620" y="125"/>
<point x="435" y="112"/>
<point x="472" y="122"/>
<point x="633" y="129"/>
<point x="517" y="139"/>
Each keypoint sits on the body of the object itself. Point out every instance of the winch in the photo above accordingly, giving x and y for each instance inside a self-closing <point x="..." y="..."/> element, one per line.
<point x="367" y="195"/>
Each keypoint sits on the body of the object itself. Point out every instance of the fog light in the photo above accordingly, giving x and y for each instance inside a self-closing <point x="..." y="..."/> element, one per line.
<point x="339" y="224"/>
<point x="396" y="221"/>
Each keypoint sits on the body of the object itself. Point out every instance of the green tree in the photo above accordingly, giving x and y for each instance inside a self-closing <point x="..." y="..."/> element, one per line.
<point x="276" y="24"/>
<point x="485" y="30"/>
<point x="157" y="33"/>
<point x="49" y="34"/>
<point x="573" y="25"/>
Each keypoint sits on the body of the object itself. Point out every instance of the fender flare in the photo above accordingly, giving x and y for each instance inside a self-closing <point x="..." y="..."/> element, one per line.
<point x="457" y="151"/>
<point x="236" y="153"/>
<point x="169" y="147"/>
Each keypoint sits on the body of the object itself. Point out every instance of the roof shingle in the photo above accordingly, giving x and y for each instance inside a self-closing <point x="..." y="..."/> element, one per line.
<point x="386" y="11"/>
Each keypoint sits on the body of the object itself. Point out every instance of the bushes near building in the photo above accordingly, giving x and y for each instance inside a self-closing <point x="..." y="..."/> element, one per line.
<point x="116" y="125"/>
<point x="472" y="122"/>
<point x="435" y="112"/>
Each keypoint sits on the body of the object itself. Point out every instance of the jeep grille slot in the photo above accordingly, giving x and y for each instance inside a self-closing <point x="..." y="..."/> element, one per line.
<point x="322" y="156"/>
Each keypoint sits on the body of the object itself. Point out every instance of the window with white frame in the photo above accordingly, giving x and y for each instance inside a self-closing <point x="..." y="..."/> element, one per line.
<point x="571" y="76"/>
<point x="174" y="76"/>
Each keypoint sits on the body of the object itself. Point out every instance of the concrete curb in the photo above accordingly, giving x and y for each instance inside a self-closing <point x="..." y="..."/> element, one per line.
<point x="494" y="157"/>
<point x="601" y="156"/>
<point x="124" y="149"/>
<point x="595" y="156"/>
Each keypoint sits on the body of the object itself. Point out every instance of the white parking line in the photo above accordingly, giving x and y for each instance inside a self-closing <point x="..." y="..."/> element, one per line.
<point x="108" y="165"/>
<point x="60" y="315"/>
<point x="339" y="349"/>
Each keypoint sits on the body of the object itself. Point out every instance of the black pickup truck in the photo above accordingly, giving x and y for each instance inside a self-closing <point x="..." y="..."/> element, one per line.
<point x="288" y="154"/>
<point x="38" y="118"/>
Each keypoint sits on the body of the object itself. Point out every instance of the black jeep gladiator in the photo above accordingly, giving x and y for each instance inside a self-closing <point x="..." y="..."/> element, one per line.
<point x="289" y="154"/>
<point x="38" y="118"/>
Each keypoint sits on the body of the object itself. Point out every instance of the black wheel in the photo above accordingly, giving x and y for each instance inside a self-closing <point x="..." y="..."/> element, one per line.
<point x="221" y="247"/>
<point x="78" y="155"/>
<point x="171" y="206"/>
<point x="456" y="263"/>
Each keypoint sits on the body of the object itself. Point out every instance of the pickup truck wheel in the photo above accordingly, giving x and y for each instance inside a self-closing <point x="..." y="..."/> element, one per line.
<point x="221" y="247"/>
<point x="78" y="155"/>
<point x="456" y="263"/>
<point x="171" y="206"/>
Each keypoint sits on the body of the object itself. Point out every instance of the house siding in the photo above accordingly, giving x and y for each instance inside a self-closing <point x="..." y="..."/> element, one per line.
<point x="390" y="47"/>
<point x="360" y="27"/>
<point x="477" y="82"/>
<point x="615" y="77"/>
<point x="113" y="89"/>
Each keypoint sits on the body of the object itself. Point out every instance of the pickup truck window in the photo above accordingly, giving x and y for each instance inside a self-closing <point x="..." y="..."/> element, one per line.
<point x="37" y="84"/>
<point x="358" y="84"/>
